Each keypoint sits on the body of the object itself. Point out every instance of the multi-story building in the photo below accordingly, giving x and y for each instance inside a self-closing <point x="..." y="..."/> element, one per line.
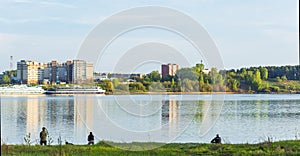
<point x="89" y="72"/>
<point x="169" y="69"/>
<point x="79" y="71"/>
<point x="69" y="66"/>
<point x="28" y="72"/>
<point x="76" y="71"/>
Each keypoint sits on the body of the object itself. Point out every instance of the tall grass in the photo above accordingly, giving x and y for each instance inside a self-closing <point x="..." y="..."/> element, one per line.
<point x="266" y="148"/>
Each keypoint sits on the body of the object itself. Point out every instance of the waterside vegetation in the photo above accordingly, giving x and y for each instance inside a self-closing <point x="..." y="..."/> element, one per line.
<point x="102" y="148"/>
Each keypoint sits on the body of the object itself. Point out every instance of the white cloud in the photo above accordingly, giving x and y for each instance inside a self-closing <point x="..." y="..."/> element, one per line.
<point x="57" y="4"/>
<point x="27" y="20"/>
<point x="43" y="3"/>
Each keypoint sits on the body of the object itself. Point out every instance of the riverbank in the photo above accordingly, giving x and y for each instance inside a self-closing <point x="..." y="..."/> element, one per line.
<point x="291" y="147"/>
<point x="189" y="93"/>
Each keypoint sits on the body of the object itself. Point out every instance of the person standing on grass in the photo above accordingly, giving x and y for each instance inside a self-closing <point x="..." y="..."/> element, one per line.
<point x="216" y="140"/>
<point x="43" y="136"/>
<point x="91" y="139"/>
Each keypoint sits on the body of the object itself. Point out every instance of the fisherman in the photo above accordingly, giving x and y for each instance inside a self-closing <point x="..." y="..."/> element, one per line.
<point x="43" y="136"/>
<point x="91" y="139"/>
<point x="216" y="140"/>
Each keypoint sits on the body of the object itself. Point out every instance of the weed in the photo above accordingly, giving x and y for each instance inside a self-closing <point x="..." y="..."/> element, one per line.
<point x="27" y="139"/>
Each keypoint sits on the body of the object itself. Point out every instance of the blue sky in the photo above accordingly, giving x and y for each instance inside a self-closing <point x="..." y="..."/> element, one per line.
<point x="247" y="33"/>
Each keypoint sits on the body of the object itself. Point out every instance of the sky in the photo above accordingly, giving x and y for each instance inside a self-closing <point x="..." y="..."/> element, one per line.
<point x="247" y="33"/>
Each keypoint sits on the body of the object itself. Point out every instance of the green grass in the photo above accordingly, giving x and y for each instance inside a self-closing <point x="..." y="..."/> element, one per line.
<point x="284" y="86"/>
<point x="275" y="148"/>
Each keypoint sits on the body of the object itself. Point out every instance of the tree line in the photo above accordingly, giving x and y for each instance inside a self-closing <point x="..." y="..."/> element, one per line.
<point x="270" y="79"/>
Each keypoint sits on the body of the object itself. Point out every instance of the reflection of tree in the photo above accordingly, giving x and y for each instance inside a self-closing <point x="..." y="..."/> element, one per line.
<point x="207" y="114"/>
<point x="199" y="113"/>
<point x="261" y="109"/>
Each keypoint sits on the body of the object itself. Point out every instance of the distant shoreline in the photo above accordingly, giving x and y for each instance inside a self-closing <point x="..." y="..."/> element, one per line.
<point x="153" y="93"/>
<point x="188" y="93"/>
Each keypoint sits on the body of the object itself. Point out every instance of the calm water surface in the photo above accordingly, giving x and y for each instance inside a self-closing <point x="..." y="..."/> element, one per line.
<point x="164" y="118"/>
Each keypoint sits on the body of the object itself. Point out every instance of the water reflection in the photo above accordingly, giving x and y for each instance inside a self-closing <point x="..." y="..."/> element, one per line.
<point x="169" y="112"/>
<point x="28" y="114"/>
<point x="167" y="118"/>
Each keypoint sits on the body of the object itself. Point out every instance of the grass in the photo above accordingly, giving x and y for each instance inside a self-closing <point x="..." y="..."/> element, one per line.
<point x="275" y="148"/>
<point x="284" y="86"/>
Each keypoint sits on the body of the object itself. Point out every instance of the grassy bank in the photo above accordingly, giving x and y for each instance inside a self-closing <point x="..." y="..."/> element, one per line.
<point x="275" y="148"/>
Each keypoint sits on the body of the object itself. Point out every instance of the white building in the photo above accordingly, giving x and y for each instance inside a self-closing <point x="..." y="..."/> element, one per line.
<point x="82" y="72"/>
<point x="29" y="72"/>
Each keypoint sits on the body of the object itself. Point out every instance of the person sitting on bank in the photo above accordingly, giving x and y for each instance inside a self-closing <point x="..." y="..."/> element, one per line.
<point x="43" y="136"/>
<point x="216" y="140"/>
<point x="91" y="139"/>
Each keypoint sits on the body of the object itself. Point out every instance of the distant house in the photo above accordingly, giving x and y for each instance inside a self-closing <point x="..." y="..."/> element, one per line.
<point x="206" y="71"/>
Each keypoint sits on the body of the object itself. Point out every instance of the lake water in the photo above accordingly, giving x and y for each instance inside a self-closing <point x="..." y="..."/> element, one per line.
<point x="238" y="118"/>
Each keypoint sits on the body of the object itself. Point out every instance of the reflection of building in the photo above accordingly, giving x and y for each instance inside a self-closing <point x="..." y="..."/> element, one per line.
<point x="32" y="116"/>
<point x="169" y="112"/>
<point x="84" y="116"/>
<point x="169" y="69"/>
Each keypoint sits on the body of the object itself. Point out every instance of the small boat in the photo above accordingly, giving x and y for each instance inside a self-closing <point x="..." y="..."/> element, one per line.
<point x="75" y="90"/>
<point x="21" y="89"/>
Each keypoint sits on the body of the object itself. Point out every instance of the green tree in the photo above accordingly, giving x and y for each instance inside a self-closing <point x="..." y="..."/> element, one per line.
<point x="243" y="73"/>
<point x="199" y="68"/>
<point x="278" y="79"/>
<point x="115" y="82"/>
<point x="264" y="73"/>
<point x="137" y="87"/>
<point x="235" y="85"/>
<point x="122" y="87"/>
<point x="256" y="82"/>
<point x="6" y="79"/>
<point x="283" y="78"/>
<point x="157" y="87"/>
<point x="154" y="76"/>
<point x="186" y="73"/>
<point x="188" y="85"/>
<point x="106" y="85"/>
<point x="214" y="74"/>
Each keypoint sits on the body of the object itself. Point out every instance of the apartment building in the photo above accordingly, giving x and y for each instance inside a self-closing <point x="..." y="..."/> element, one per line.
<point x="29" y="72"/>
<point x="169" y="69"/>
<point x="76" y="71"/>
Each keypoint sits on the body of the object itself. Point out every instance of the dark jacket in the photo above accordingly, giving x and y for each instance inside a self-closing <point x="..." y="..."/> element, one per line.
<point x="43" y="135"/>
<point x="217" y="140"/>
<point x="91" y="137"/>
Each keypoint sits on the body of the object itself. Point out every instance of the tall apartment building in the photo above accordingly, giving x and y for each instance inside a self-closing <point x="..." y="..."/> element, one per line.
<point x="29" y="72"/>
<point x="76" y="71"/>
<point x="82" y="72"/>
<point x="169" y="69"/>
<point x="89" y="72"/>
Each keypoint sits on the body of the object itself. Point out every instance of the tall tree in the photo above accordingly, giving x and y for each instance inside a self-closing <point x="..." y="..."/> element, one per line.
<point x="256" y="81"/>
<point x="264" y="73"/>
<point x="199" y="68"/>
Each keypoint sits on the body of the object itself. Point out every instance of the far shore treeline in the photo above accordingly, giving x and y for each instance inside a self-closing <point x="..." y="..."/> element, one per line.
<point x="269" y="79"/>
